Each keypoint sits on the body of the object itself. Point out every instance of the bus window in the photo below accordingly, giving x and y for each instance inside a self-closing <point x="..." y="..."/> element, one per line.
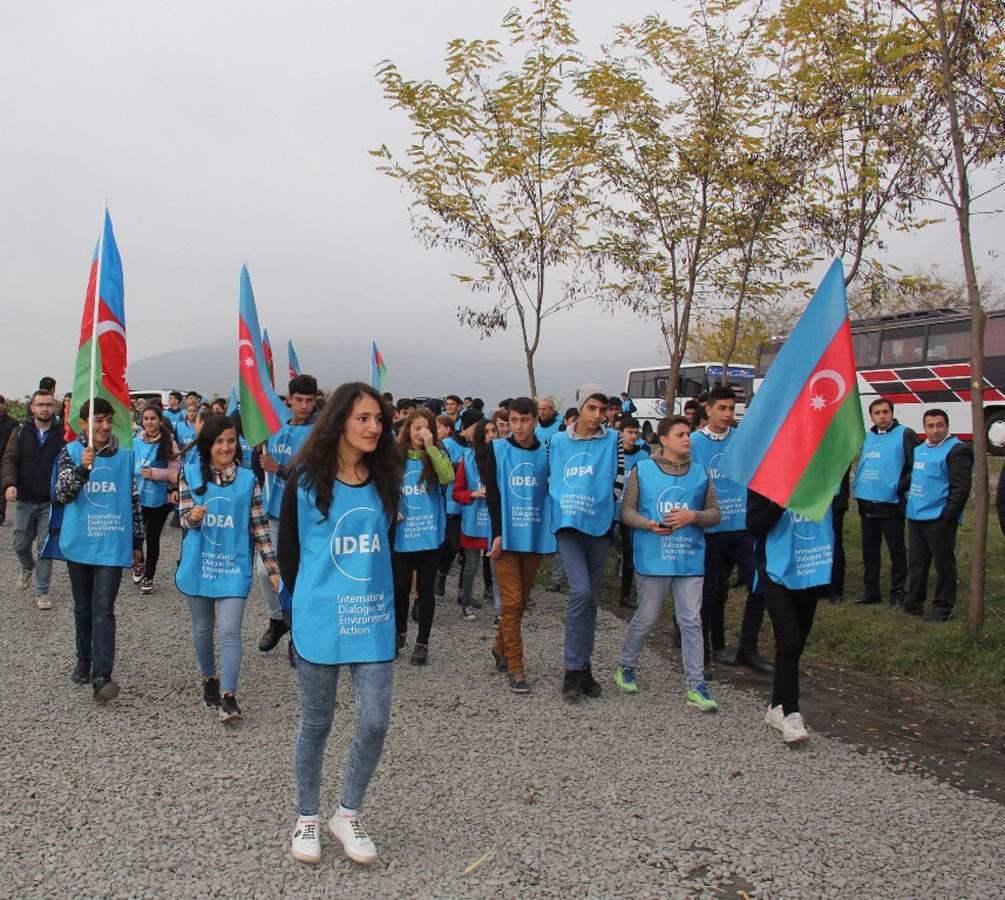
<point x="692" y="381"/>
<point x="994" y="336"/>
<point x="766" y="354"/>
<point x="866" y="348"/>
<point x="902" y="346"/>
<point x="635" y="385"/>
<point x="662" y="381"/>
<point x="949" y="341"/>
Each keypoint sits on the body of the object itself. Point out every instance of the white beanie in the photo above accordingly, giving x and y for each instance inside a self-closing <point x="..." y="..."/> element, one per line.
<point x="585" y="391"/>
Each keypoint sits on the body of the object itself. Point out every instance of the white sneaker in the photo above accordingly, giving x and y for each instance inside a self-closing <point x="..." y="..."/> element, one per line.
<point x="794" y="729"/>
<point x="355" y="841"/>
<point x="775" y="717"/>
<point x="43" y="602"/>
<point x="306" y="843"/>
<point x="24" y="579"/>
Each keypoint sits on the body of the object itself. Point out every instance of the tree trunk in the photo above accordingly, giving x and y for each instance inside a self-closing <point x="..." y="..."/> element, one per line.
<point x="531" y="378"/>
<point x="977" y="319"/>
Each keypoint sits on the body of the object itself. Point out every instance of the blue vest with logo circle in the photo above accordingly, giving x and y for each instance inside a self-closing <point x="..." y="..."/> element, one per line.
<point x="682" y="552"/>
<point x="283" y="446"/>
<point x="217" y="556"/>
<point x="152" y="493"/>
<point x="98" y="523"/>
<point x="799" y="552"/>
<point x="522" y="477"/>
<point x="546" y="433"/>
<point x="456" y="452"/>
<point x="880" y="465"/>
<point x="581" y="482"/>
<point x="425" y="523"/>
<point x="731" y="496"/>
<point x="930" y="481"/>
<point x="343" y="600"/>
<point x="474" y="515"/>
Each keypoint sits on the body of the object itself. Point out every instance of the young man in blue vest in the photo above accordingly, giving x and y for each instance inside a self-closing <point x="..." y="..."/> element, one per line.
<point x="586" y="476"/>
<point x="636" y="450"/>
<point x="281" y="448"/>
<point x="882" y="480"/>
<point x="727" y="543"/>
<point x="940" y="485"/>
<point x="28" y="460"/>
<point x="102" y="533"/>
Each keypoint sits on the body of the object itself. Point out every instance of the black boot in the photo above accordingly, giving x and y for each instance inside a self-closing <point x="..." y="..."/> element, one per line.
<point x="440" y="585"/>
<point x="277" y="628"/>
<point x="590" y="687"/>
<point x="572" y="687"/>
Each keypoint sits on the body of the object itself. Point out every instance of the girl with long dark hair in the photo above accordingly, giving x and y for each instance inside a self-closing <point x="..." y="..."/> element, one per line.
<point x="336" y="523"/>
<point x="157" y="466"/>
<point x="422" y="524"/>
<point x="220" y="505"/>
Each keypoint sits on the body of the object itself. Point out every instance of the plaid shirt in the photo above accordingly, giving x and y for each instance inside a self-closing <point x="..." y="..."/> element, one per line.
<point x="259" y="524"/>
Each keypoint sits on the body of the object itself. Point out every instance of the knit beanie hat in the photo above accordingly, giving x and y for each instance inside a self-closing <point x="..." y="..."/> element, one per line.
<point x="469" y="417"/>
<point x="585" y="391"/>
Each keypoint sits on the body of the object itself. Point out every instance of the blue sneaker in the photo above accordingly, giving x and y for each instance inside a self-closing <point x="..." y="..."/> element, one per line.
<point x="501" y="663"/>
<point x="624" y="677"/>
<point x="700" y="697"/>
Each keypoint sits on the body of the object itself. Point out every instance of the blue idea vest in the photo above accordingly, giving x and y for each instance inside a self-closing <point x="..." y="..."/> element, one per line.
<point x="682" y="552"/>
<point x="880" y="466"/>
<point x="98" y="525"/>
<point x="217" y="556"/>
<point x="522" y="477"/>
<point x="152" y="493"/>
<point x="244" y="460"/>
<point x="930" y="481"/>
<point x="544" y="434"/>
<point x="475" y="515"/>
<point x="732" y="497"/>
<point x="343" y="600"/>
<point x="581" y="482"/>
<point x="425" y="522"/>
<point x="283" y="446"/>
<point x="799" y="552"/>
<point x="184" y="433"/>
<point x="456" y="452"/>
<point x="631" y="461"/>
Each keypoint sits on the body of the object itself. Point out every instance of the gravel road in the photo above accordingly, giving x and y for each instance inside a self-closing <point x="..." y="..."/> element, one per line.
<point x="620" y="797"/>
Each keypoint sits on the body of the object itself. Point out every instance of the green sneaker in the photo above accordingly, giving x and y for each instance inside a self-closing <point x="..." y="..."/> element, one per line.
<point x="700" y="697"/>
<point x="624" y="676"/>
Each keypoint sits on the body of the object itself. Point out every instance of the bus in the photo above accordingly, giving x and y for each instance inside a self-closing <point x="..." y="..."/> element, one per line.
<point x="648" y="389"/>
<point x="921" y="359"/>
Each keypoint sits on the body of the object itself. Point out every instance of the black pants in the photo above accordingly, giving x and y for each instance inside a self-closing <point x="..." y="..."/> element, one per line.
<point x="932" y="540"/>
<point x="423" y="563"/>
<point x="838" y="565"/>
<point x="722" y="550"/>
<point x="874" y="532"/>
<point x="627" y="559"/>
<point x="792" y="618"/>
<point x="154" y="518"/>
<point x="451" y="546"/>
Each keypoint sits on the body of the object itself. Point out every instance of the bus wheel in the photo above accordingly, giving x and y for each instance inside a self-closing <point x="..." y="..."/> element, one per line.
<point x="993" y="420"/>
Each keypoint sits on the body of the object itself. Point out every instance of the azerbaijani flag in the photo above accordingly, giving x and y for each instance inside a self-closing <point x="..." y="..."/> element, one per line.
<point x="805" y="425"/>
<point x="262" y="412"/>
<point x="267" y="347"/>
<point x="232" y="406"/>
<point x="294" y="362"/>
<point x="109" y="373"/>
<point x="377" y="368"/>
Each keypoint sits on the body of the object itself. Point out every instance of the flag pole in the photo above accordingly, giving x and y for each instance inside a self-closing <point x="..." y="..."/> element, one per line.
<point x="94" y="326"/>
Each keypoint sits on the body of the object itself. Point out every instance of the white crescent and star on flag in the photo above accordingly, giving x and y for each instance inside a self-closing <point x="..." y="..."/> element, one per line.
<point x="818" y="400"/>
<point x="247" y="356"/>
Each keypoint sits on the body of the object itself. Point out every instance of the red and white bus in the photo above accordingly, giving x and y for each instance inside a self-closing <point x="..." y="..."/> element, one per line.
<point x="920" y="360"/>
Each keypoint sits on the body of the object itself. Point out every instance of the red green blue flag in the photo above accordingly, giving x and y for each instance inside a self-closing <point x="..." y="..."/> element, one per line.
<point x="108" y="375"/>
<point x="377" y="368"/>
<point x="267" y="348"/>
<point x="294" y="362"/>
<point x="262" y="412"/>
<point x="805" y="425"/>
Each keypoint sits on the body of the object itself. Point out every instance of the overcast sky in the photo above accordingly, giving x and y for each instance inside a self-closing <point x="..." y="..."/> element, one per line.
<point x="233" y="132"/>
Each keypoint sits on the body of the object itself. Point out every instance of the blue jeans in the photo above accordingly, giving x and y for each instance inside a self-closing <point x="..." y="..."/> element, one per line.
<point x="473" y="562"/>
<point x="31" y="523"/>
<point x="318" y="686"/>
<point x="94" y="589"/>
<point x="651" y="592"/>
<point x="230" y="611"/>
<point x="271" y="595"/>
<point x="584" y="558"/>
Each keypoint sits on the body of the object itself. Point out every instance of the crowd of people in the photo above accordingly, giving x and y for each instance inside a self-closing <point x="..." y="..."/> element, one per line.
<point x="354" y="514"/>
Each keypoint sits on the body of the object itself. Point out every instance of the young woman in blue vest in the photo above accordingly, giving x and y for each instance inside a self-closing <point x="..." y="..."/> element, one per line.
<point x="587" y="469"/>
<point x="668" y="502"/>
<point x="795" y="556"/>
<point x="220" y="507"/>
<point x="469" y="490"/>
<point x="335" y="529"/>
<point x="157" y="467"/>
<point x="101" y="534"/>
<point x="422" y="520"/>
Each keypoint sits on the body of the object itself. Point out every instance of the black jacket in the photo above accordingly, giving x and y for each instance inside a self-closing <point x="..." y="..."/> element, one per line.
<point x="27" y="464"/>
<point x="960" y="466"/>
<point x="872" y="510"/>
